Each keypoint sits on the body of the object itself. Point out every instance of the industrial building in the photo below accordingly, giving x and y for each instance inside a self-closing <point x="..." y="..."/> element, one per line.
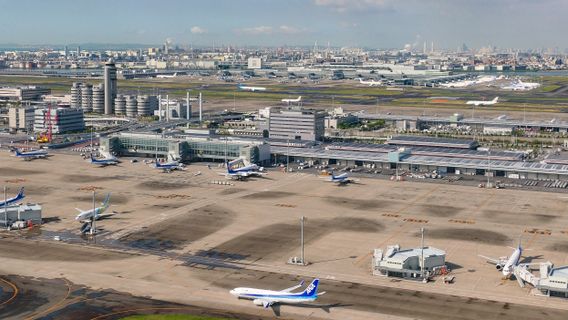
<point x="417" y="263"/>
<point x="21" y="118"/>
<point x="186" y="147"/>
<point x="62" y="119"/>
<point x="297" y="124"/>
<point x="24" y="212"/>
<point x="27" y="93"/>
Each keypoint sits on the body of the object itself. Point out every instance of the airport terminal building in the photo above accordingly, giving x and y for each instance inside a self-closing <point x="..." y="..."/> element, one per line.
<point x="186" y="147"/>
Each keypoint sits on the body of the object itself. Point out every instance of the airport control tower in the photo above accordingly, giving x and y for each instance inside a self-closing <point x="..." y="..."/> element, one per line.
<point x="110" y="86"/>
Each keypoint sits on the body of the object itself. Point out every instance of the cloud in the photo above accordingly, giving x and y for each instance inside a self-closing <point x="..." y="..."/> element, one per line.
<point x="284" y="29"/>
<point x="260" y="30"/>
<point x="197" y="30"/>
<point x="269" y="30"/>
<point x="354" y="5"/>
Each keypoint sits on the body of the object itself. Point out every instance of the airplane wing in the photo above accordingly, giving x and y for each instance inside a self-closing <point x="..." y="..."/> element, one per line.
<point x="294" y="287"/>
<point x="80" y="211"/>
<point x="490" y="260"/>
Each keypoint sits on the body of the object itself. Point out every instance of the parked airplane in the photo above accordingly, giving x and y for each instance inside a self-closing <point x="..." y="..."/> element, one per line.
<point x="20" y="196"/>
<point x="30" y="155"/>
<point x="106" y="161"/>
<point x="370" y="83"/>
<point x="298" y="99"/>
<point x="482" y="102"/>
<point x="169" y="166"/>
<point x="507" y="264"/>
<point x="249" y="88"/>
<point x="267" y="298"/>
<point x="96" y="212"/>
<point x="165" y="76"/>
<point x="251" y="170"/>
<point x="521" y="86"/>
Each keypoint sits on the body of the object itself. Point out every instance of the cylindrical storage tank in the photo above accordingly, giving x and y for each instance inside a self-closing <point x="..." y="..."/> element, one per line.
<point x="76" y="95"/>
<point x="131" y="106"/>
<point x="120" y="105"/>
<point x="87" y="97"/>
<point x="98" y="99"/>
<point x="143" y="108"/>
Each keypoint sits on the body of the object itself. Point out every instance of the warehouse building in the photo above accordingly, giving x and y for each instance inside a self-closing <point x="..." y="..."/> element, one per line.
<point x="417" y="263"/>
<point x="27" y="93"/>
<point x="24" y="212"/>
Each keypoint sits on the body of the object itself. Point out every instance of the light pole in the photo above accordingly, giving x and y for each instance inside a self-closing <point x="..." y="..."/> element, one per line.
<point x="5" y="209"/>
<point x="488" y="166"/>
<point x="94" y="215"/>
<point x="288" y="156"/>
<point x="302" y="220"/>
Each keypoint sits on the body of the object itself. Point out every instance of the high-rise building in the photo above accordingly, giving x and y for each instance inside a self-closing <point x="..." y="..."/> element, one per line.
<point x="66" y="51"/>
<point x="78" y="51"/>
<point x="87" y="97"/>
<point x="76" y="99"/>
<point x="110" y="86"/>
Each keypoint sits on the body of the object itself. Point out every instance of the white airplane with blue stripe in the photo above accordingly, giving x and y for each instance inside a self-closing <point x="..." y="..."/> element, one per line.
<point x="20" y="196"/>
<point x="30" y="155"/>
<point x="107" y="161"/>
<point x="169" y="166"/>
<point x="267" y="298"/>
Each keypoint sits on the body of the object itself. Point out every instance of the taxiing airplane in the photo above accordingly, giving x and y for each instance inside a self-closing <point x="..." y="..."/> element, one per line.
<point x="249" y="88"/>
<point x="93" y="213"/>
<point x="370" y="83"/>
<point x="340" y="179"/>
<point x="483" y="102"/>
<point x="30" y="155"/>
<point x="165" y="76"/>
<point x="267" y="298"/>
<point x="298" y="99"/>
<point x="507" y="264"/>
<point x="169" y="166"/>
<point x="20" y="196"/>
<point x="106" y="161"/>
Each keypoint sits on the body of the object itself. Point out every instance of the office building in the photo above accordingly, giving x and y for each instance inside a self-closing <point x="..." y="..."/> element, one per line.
<point x="87" y="97"/>
<point x="62" y="120"/>
<point x="110" y="86"/>
<point x="297" y="124"/>
<point x="21" y="119"/>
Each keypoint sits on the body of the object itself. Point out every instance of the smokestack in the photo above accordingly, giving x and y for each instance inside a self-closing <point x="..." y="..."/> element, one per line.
<point x="167" y="107"/>
<point x="159" y="107"/>
<point x="187" y="113"/>
<point x="200" y="108"/>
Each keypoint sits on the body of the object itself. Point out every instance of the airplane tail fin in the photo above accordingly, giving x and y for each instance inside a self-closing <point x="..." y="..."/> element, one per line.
<point x="229" y="169"/>
<point x="106" y="201"/>
<point x="496" y="98"/>
<point x="21" y="194"/>
<point x="311" y="289"/>
<point x="18" y="152"/>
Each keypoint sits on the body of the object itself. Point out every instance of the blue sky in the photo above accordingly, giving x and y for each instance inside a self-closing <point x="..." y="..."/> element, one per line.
<point x="372" y="23"/>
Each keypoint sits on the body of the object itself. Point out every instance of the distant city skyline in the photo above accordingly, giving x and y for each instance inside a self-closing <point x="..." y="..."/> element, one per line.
<point x="356" y="23"/>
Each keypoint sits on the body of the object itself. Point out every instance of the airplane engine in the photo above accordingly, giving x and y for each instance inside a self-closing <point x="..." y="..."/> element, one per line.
<point x="499" y="267"/>
<point x="257" y="302"/>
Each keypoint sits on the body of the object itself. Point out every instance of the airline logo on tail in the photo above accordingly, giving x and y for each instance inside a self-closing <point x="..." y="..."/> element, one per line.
<point x="312" y="289"/>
